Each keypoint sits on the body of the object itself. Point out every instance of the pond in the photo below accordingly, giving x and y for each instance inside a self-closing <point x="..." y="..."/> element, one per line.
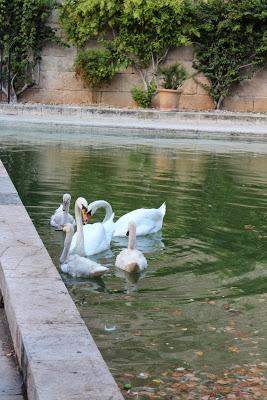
<point x="194" y="325"/>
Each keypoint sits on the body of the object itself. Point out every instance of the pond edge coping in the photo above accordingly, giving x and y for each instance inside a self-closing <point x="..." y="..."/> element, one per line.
<point x="195" y="121"/>
<point x="57" y="355"/>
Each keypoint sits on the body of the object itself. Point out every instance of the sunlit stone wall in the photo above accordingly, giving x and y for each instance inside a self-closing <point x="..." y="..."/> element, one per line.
<point x="57" y="84"/>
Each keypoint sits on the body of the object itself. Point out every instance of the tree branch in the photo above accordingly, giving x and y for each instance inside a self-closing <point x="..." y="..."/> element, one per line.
<point x="23" y="88"/>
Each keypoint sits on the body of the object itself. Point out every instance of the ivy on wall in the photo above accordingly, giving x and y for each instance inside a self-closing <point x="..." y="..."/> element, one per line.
<point x="136" y="32"/>
<point x="232" y="43"/>
<point x="229" y="38"/>
<point x="23" y="34"/>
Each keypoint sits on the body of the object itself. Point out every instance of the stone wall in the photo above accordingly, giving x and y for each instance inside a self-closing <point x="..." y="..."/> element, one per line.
<point x="57" y="84"/>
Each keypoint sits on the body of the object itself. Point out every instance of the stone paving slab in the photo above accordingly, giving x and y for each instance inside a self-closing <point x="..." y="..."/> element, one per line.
<point x="10" y="378"/>
<point x="57" y="355"/>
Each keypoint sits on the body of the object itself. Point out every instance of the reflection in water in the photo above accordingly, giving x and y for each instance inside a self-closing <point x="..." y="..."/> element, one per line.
<point x="131" y="279"/>
<point x="146" y="244"/>
<point x="203" y="264"/>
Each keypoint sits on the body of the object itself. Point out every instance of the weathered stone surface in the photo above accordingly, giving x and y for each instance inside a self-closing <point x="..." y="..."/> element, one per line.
<point x="118" y="99"/>
<point x="43" y="96"/>
<point x="6" y="186"/>
<point x="128" y="81"/>
<point x="55" y="350"/>
<point x="183" y="53"/>
<point x="260" y="104"/>
<point x="239" y="104"/>
<point x="84" y="97"/>
<point x="189" y="87"/>
<point x="180" y="123"/>
<point x="57" y="85"/>
<point x="196" y="102"/>
<point x="10" y="378"/>
<point x="72" y="83"/>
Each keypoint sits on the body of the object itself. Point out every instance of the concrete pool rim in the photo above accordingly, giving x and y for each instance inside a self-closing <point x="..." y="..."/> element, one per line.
<point x="56" y="353"/>
<point x="220" y="122"/>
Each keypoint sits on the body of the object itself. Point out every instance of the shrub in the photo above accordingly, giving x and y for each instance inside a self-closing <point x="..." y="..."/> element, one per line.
<point x="144" y="97"/>
<point x="96" y="67"/>
<point x="172" y="76"/>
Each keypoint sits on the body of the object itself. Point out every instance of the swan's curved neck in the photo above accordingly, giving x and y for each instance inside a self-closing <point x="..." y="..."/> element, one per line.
<point x="102" y="204"/>
<point x="79" y="249"/>
<point x="65" y="252"/>
<point x="132" y="237"/>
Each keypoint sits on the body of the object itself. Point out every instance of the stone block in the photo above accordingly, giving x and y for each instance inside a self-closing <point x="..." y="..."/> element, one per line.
<point x="22" y="261"/>
<point x="196" y="102"/>
<point x="260" y="104"/>
<point x="43" y="96"/>
<point x="183" y="53"/>
<point x="72" y="83"/>
<point x="117" y="99"/>
<point x="36" y="301"/>
<point x="128" y="81"/>
<point x="55" y="50"/>
<point x="114" y="86"/>
<point x="201" y="80"/>
<point x="52" y="80"/>
<point x="189" y="87"/>
<point x="6" y="187"/>
<point x="83" y="97"/>
<point x="238" y="104"/>
<point x="86" y="382"/>
<point x="55" y="63"/>
<point x="262" y="74"/>
<point x="251" y="87"/>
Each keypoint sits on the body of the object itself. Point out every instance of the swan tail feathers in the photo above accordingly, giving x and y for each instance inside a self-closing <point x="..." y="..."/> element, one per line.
<point x="100" y="270"/>
<point x="64" y="268"/>
<point x="162" y="209"/>
<point x="132" y="267"/>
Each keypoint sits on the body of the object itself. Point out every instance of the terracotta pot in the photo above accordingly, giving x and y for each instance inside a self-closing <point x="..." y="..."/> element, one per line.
<point x="169" y="99"/>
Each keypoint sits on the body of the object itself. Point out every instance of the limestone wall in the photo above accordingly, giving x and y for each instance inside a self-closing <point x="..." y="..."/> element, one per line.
<point x="57" y="84"/>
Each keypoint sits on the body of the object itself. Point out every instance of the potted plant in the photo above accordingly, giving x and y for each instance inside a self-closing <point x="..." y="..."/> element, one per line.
<point x="172" y="77"/>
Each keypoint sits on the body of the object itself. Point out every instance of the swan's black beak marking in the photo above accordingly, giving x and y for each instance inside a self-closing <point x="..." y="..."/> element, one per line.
<point x="85" y="215"/>
<point x="127" y="234"/>
<point x="89" y="212"/>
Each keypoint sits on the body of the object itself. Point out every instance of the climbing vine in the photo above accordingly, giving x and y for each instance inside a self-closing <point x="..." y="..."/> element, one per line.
<point x="136" y="32"/>
<point x="23" y="34"/>
<point x="232" y="43"/>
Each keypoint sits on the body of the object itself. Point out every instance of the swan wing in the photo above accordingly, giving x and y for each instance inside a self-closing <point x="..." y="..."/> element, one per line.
<point x="59" y="218"/>
<point x="56" y="219"/>
<point x="81" y="266"/>
<point x="147" y="220"/>
<point x="95" y="240"/>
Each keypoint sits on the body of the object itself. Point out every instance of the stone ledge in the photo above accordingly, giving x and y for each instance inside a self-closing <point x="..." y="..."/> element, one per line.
<point x="57" y="355"/>
<point x="212" y="121"/>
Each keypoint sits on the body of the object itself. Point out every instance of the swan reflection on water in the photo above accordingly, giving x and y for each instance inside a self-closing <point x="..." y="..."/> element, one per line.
<point x="131" y="279"/>
<point x="146" y="244"/>
<point x="80" y="286"/>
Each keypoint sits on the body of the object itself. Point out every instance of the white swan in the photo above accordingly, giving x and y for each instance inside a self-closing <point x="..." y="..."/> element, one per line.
<point x="147" y="220"/>
<point x="131" y="259"/>
<point x="74" y="264"/>
<point x="90" y="239"/>
<point x="61" y="215"/>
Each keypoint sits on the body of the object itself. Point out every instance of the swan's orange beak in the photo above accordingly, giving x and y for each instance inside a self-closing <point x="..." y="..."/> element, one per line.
<point x="85" y="215"/>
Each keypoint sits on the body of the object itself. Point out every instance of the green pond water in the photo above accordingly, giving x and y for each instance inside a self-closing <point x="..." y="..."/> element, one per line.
<point x="201" y="304"/>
